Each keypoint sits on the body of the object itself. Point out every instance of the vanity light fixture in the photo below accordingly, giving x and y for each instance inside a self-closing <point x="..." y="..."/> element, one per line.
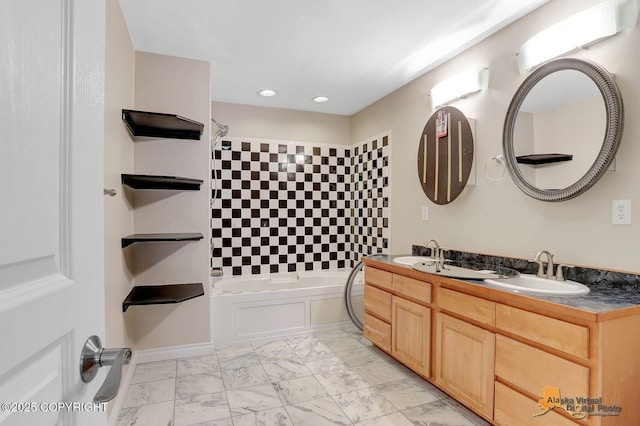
<point x="578" y="31"/>
<point x="459" y="86"/>
<point x="320" y="99"/>
<point x="267" y="93"/>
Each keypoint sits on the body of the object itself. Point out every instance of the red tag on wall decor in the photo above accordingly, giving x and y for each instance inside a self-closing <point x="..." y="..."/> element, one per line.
<point x="441" y="123"/>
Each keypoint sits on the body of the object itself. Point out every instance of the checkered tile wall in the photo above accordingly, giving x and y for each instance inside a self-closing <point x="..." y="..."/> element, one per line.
<point x="370" y="193"/>
<point x="287" y="206"/>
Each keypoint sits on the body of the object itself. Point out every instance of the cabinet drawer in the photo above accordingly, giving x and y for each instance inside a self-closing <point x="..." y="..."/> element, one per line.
<point x="467" y="306"/>
<point x="378" y="331"/>
<point x="532" y="369"/>
<point x="377" y="302"/>
<point x="378" y="277"/>
<point x="570" y="338"/>
<point x="412" y="289"/>
<point x="513" y="408"/>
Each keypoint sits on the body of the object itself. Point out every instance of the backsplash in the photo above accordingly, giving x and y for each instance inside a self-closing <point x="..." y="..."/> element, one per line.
<point x="591" y="277"/>
<point x="282" y="206"/>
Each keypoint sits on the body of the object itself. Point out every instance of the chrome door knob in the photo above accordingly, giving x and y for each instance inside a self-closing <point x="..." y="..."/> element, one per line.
<point x="95" y="356"/>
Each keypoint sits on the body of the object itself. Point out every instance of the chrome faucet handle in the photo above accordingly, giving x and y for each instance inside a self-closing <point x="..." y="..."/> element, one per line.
<point x="560" y="274"/>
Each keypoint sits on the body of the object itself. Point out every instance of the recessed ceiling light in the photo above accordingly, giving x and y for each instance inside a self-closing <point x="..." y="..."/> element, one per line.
<point x="267" y="93"/>
<point x="320" y="99"/>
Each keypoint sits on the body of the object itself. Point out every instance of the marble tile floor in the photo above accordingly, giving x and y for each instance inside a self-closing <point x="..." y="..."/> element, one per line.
<point x="328" y="378"/>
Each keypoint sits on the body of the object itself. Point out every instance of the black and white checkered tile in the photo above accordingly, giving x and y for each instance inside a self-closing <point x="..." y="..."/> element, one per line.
<point x="370" y="194"/>
<point x="287" y="206"/>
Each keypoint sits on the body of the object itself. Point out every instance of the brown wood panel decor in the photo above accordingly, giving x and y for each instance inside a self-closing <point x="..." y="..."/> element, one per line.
<point x="445" y="155"/>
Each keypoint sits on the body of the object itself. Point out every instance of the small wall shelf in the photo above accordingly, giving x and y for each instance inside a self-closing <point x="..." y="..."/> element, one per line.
<point x="160" y="238"/>
<point x="161" y="182"/>
<point x="161" y="294"/>
<point x="537" y="159"/>
<point x="160" y="125"/>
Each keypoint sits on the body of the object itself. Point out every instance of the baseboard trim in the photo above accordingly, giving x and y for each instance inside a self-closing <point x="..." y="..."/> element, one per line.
<point x="174" y="352"/>
<point x="151" y="355"/>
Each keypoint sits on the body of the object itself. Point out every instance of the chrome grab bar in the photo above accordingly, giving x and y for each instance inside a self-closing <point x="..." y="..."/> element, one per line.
<point x="95" y="356"/>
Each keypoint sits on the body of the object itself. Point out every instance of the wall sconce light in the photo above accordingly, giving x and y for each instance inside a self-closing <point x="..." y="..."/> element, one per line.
<point x="578" y="31"/>
<point x="459" y="86"/>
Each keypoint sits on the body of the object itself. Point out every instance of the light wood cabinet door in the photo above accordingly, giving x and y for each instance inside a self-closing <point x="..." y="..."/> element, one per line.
<point x="411" y="335"/>
<point x="465" y="359"/>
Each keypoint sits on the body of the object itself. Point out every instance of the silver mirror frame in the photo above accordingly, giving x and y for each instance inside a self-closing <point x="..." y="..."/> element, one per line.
<point x="614" y="110"/>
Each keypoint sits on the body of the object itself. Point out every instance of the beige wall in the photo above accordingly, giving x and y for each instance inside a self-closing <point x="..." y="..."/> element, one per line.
<point x="496" y="217"/>
<point x="118" y="158"/>
<point x="179" y="86"/>
<point x="282" y="124"/>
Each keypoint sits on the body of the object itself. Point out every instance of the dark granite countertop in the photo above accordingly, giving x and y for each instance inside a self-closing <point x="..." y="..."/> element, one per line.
<point x="609" y="290"/>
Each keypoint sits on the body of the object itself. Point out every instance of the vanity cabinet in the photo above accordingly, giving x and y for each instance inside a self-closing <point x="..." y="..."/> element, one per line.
<point x="500" y="353"/>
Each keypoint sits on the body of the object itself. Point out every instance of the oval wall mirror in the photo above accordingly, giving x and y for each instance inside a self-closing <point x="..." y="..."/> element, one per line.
<point x="562" y="129"/>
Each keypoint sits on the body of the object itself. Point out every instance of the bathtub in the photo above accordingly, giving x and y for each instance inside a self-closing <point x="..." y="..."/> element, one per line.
<point x="245" y="309"/>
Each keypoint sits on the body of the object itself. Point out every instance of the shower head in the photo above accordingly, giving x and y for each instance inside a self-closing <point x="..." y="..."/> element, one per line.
<point x="221" y="129"/>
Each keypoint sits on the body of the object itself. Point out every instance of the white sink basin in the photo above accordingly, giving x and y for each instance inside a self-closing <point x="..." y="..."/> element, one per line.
<point x="533" y="284"/>
<point x="412" y="260"/>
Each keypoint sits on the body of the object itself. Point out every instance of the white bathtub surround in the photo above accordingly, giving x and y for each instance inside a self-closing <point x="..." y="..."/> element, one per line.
<point x="258" y="307"/>
<point x="338" y="394"/>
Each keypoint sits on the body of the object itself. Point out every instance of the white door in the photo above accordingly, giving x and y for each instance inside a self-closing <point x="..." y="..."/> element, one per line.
<point x="51" y="217"/>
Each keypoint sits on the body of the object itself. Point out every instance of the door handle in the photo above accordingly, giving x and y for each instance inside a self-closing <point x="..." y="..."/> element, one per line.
<point x="95" y="356"/>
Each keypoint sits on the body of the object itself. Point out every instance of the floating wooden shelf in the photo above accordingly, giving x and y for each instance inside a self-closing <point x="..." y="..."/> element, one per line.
<point x="161" y="182"/>
<point x="160" y="238"/>
<point x="161" y="294"/>
<point x="537" y="159"/>
<point x="160" y="125"/>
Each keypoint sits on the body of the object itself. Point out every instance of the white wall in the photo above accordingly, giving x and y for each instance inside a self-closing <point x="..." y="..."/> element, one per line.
<point x="496" y="217"/>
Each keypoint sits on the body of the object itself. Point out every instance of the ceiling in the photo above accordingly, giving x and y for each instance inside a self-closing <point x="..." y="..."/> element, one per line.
<point x="352" y="51"/>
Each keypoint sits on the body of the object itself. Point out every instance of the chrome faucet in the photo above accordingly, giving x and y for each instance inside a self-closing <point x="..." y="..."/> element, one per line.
<point x="436" y="253"/>
<point x="541" y="273"/>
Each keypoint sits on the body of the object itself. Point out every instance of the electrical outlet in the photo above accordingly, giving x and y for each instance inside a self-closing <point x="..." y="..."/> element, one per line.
<point x="621" y="212"/>
<point x="425" y="213"/>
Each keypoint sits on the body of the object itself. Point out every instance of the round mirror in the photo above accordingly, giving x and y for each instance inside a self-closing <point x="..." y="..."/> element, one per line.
<point x="562" y="129"/>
